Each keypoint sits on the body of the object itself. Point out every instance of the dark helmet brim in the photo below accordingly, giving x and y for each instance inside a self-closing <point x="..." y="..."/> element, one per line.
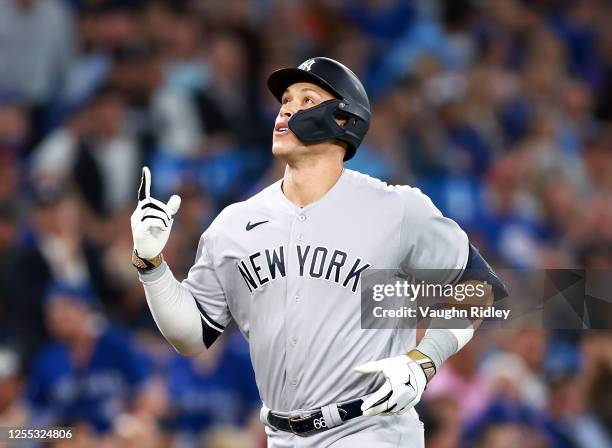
<point x="280" y="80"/>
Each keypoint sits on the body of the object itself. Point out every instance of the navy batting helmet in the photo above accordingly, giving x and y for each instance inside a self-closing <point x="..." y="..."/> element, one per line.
<point x="319" y="123"/>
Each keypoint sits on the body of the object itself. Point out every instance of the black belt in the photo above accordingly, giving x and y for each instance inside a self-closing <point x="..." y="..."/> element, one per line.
<point x="314" y="422"/>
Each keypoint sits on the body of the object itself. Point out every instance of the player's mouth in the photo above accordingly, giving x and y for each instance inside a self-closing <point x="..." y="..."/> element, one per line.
<point x="281" y="128"/>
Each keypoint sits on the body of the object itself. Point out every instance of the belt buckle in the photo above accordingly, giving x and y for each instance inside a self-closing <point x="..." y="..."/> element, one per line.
<point x="294" y="419"/>
<point x="300" y="419"/>
<point x="290" y="419"/>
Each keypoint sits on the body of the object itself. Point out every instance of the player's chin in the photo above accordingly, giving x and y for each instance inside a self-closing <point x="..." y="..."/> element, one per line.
<point x="285" y="146"/>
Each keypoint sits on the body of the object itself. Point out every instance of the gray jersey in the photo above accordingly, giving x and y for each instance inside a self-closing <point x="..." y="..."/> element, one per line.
<point x="290" y="276"/>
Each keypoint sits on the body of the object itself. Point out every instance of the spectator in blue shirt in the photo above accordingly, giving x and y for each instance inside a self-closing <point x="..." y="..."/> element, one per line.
<point x="88" y="373"/>
<point x="216" y="388"/>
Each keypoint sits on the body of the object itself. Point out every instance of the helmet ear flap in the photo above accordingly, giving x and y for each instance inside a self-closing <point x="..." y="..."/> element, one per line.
<point x="318" y="123"/>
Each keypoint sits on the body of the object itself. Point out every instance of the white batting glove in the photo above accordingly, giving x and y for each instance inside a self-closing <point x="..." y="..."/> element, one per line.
<point x="402" y="390"/>
<point x="152" y="220"/>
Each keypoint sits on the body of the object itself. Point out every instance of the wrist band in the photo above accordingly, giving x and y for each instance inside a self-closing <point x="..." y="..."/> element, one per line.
<point x="145" y="265"/>
<point x="424" y="361"/>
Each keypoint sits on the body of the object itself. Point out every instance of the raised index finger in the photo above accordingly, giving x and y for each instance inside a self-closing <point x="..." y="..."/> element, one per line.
<point x="144" y="192"/>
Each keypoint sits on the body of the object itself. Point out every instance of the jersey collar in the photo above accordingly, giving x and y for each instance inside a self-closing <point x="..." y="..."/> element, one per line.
<point x="332" y="192"/>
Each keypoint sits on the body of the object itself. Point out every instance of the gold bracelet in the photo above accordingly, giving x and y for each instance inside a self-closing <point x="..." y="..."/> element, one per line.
<point x="143" y="264"/>
<point x="428" y="366"/>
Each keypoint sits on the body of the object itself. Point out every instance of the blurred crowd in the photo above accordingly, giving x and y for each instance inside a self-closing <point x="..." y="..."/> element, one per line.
<point x="499" y="110"/>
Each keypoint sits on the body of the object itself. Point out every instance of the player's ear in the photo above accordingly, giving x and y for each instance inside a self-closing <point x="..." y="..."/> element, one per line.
<point x="144" y="191"/>
<point x="342" y="121"/>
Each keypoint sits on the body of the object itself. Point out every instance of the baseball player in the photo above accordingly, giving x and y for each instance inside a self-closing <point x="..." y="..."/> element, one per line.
<point x="286" y="266"/>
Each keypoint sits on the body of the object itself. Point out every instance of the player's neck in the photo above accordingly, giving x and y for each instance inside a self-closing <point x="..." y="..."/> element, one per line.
<point x="307" y="182"/>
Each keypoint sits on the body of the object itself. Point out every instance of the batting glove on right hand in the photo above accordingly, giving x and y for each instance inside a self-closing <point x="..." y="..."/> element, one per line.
<point x="152" y="220"/>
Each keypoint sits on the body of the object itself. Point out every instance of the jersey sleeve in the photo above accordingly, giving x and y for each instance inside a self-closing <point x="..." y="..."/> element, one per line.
<point x="207" y="291"/>
<point x="434" y="248"/>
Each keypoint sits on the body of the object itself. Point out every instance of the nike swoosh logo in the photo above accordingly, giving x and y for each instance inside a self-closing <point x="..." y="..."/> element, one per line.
<point x="409" y="383"/>
<point x="250" y="226"/>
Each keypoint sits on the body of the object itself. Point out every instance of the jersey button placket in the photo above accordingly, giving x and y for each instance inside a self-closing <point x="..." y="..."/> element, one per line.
<point x="301" y="220"/>
<point x="293" y="317"/>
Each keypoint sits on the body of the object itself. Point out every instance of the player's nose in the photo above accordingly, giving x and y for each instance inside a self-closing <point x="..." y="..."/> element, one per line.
<point x="285" y="112"/>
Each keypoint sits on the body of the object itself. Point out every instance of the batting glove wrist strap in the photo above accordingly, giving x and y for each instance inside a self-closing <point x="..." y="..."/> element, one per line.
<point x="144" y="264"/>
<point x="425" y="362"/>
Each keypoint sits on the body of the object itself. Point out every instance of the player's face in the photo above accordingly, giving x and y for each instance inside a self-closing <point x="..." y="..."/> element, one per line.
<point x="298" y="96"/>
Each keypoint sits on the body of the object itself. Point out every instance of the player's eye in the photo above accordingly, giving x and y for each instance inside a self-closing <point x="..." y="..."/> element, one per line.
<point x="285" y="100"/>
<point x="308" y="100"/>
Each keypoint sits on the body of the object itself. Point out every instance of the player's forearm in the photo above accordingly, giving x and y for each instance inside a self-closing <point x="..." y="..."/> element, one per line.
<point x="174" y="310"/>
<point x="441" y="342"/>
<point x="437" y="346"/>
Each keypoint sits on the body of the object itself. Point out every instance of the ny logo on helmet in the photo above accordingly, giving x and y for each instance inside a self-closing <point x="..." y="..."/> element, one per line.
<point x="306" y="65"/>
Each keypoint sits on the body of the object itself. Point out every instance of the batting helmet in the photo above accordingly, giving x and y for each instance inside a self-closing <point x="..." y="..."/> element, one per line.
<point x="318" y="123"/>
